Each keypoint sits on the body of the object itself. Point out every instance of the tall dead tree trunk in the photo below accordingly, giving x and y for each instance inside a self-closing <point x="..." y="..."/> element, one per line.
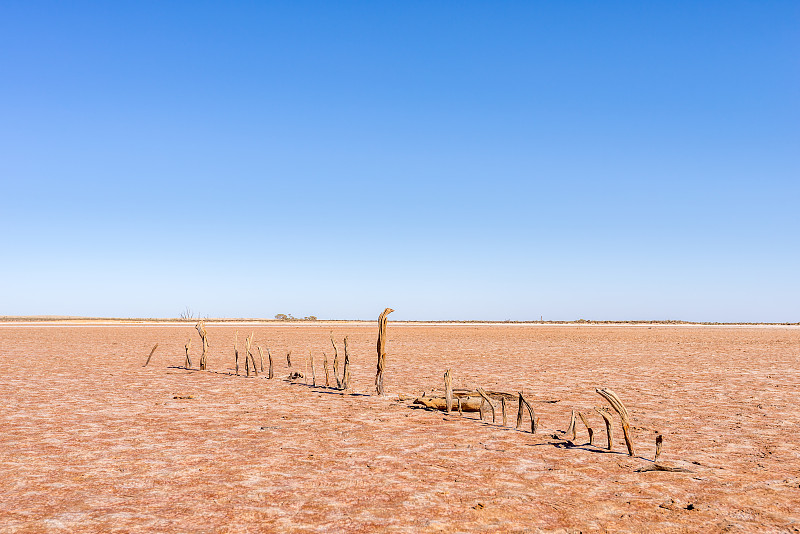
<point x="325" y="367"/>
<point x="201" y="330"/>
<point x="381" y="350"/>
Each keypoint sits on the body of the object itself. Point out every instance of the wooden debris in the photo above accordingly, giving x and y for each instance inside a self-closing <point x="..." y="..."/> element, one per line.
<point x="468" y="404"/>
<point x="483" y="394"/>
<point x="618" y="407"/>
<point x="659" y="441"/>
<point x="503" y="408"/>
<point x="382" y="351"/>
<point x="289" y="359"/>
<point x="269" y="356"/>
<point x="460" y="411"/>
<point x="448" y="388"/>
<point x="325" y="366"/>
<point x="150" y="355"/>
<point x="606" y="415"/>
<point x="659" y="467"/>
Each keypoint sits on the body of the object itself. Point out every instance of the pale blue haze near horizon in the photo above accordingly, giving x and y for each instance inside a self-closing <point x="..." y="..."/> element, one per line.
<point x="452" y="160"/>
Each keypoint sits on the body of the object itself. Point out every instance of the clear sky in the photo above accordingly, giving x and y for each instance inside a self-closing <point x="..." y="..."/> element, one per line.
<point x="452" y="160"/>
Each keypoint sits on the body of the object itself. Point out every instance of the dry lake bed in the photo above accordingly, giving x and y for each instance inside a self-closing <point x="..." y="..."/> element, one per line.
<point x="92" y="441"/>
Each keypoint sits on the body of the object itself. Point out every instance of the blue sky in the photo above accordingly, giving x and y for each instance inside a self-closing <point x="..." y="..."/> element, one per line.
<point x="464" y="160"/>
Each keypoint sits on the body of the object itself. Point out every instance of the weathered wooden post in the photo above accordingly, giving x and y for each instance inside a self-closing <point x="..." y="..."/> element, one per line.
<point x="336" y="363"/>
<point x="313" y="371"/>
<point x="382" y="350"/>
<point x="448" y="389"/>
<point x="346" y="370"/>
<point x="261" y="357"/>
<point x="571" y="429"/>
<point x="236" y="351"/>
<point x="248" y="357"/>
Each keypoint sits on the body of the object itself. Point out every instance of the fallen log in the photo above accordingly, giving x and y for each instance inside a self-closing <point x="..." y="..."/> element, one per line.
<point x="467" y="404"/>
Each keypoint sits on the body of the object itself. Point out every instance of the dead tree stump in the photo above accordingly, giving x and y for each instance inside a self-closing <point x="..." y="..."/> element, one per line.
<point x="325" y="367"/>
<point x="381" y="350"/>
<point x="269" y="355"/>
<point x="606" y="415"/>
<point x="531" y="413"/>
<point x="248" y="356"/>
<point x="659" y="441"/>
<point x="618" y="407"/>
<point x="588" y="428"/>
<point x="571" y="429"/>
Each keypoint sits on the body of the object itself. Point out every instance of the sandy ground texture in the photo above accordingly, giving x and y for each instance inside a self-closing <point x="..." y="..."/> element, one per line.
<point x="92" y="441"/>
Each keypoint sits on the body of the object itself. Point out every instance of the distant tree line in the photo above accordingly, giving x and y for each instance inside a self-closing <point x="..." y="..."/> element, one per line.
<point x="290" y="317"/>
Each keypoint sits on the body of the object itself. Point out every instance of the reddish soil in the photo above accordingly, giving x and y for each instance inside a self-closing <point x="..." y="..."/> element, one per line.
<point x="92" y="441"/>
